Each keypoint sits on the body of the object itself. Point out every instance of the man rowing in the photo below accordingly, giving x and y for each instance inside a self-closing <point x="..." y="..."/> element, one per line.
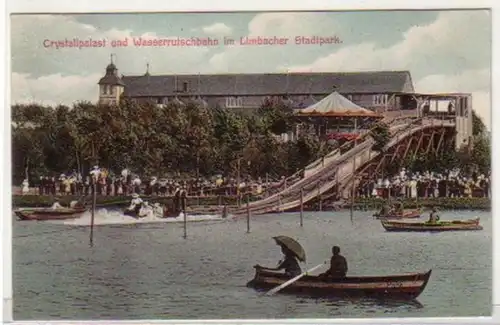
<point x="290" y="264"/>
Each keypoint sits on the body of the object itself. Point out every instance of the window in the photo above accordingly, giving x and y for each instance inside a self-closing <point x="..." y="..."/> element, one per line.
<point x="380" y="100"/>
<point x="185" y="86"/>
<point x="111" y="90"/>
<point x="355" y="98"/>
<point x="466" y="107"/>
<point x="234" y="102"/>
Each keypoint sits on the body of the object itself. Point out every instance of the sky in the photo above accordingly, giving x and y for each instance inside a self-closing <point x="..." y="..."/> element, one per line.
<point x="445" y="51"/>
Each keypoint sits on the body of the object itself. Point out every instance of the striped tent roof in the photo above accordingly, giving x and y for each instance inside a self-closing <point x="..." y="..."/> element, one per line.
<point x="336" y="105"/>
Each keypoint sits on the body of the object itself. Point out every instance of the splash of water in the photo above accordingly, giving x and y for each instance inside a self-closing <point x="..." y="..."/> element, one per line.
<point x="110" y="217"/>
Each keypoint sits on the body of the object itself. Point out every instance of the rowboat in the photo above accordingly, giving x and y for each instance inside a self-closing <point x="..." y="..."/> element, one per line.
<point x="398" y="287"/>
<point x="409" y="214"/>
<point x="451" y="225"/>
<point x="43" y="214"/>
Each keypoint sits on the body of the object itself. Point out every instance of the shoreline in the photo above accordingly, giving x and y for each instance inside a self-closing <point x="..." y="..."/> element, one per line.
<point x="214" y="203"/>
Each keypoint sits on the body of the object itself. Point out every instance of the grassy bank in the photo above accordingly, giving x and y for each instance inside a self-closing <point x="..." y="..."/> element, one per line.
<point x="444" y="203"/>
<point x="359" y="203"/>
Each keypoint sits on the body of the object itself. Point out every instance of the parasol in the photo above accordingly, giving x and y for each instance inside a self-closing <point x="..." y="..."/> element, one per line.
<point x="292" y="245"/>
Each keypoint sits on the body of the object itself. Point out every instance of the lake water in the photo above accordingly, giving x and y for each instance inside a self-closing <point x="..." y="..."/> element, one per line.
<point x="148" y="271"/>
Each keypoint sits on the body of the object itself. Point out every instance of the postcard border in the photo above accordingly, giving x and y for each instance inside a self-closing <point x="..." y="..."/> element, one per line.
<point x="27" y="6"/>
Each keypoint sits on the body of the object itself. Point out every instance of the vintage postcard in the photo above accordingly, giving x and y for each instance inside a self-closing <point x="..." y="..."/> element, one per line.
<point x="251" y="165"/>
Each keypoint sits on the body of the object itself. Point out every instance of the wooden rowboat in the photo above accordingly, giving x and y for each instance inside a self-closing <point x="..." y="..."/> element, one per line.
<point x="42" y="214"/>
<point x="398" y="287"/>
<point x="451" y="225"/>
<point x="409" y="214"/>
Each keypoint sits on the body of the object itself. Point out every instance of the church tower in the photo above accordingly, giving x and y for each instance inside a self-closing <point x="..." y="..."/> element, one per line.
<point x="111" y="86"/>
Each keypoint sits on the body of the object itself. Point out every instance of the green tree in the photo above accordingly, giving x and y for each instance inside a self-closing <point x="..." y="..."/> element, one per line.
<point x="381" y="135"/>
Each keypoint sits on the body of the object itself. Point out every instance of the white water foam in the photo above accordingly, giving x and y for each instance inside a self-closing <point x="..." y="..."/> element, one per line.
<point x="113" y="217"/>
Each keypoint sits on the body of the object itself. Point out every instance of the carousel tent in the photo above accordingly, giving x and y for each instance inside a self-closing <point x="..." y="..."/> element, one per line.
<point x="336" y="105"/>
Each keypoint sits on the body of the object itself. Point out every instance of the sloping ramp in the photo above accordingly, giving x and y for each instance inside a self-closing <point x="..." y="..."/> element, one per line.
<point x="339" y="170"/>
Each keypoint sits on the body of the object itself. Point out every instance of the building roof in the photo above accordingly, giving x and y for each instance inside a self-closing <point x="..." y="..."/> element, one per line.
<point x="335" y="105"/>
<point x="111" y="77"/>
<point x="268" y="84"/>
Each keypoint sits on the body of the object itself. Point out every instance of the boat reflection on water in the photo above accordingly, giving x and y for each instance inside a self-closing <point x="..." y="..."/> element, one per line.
<point x="387" y="305"/>
<point x="370" y="302"/>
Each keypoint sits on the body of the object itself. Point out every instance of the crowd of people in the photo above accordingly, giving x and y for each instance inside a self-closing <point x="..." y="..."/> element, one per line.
<point x="406" y="184"/>
<point x="128" y="183"/>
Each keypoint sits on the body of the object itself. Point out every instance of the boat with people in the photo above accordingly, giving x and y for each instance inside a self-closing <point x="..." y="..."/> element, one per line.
<point x="407" y="214"/>
<point x="396" y="211"/>
<point x="141" y="209"/>
<point x="435" y="226"/>
<point x="43" y="214"/>
<point x="398" y="287"/>
<point x="334" y="282"/>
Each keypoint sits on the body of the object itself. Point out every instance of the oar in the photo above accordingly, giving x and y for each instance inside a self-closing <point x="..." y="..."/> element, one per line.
<point x="286" y="284"/>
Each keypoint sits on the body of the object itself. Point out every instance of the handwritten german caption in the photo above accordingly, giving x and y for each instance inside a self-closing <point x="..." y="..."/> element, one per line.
<point x="81" y="43"/>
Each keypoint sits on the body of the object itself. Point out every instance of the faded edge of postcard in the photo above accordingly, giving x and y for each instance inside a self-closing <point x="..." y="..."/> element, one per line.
<point x="251" y="165"/>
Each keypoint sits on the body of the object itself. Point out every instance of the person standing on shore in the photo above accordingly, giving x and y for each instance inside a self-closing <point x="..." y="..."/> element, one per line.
<point x="25" y="187"/>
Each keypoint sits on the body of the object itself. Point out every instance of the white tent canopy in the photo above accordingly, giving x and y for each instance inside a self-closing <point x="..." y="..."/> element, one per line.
<point x="336" y="105"/>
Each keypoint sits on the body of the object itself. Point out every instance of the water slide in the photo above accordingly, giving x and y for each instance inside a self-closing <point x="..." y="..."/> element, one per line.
<point x="335" y="168"/>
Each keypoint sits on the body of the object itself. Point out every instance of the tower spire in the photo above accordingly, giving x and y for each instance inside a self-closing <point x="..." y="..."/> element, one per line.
<point x="147" y="69"/>
<point x="111" y="57"/>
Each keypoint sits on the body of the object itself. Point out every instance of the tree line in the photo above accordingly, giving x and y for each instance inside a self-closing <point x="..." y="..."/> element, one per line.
<point x="186" y="140"/>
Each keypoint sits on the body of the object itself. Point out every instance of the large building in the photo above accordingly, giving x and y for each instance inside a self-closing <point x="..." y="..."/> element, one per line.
<point x="379" y="91"/>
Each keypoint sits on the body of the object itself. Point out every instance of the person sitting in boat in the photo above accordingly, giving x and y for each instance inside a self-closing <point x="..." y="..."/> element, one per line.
<point x="136" y="203"/>
<point x="433" y="217"/>
<point x="386" y="209"/>
<point x="289" y="264"/>
<point x="76" y="204"/>
<point x="56" y="205"/>
<point x="158" y="210"/>
<point x="399" y="208"/>
<point x="145" y="210"/>
<point x="338" y="265"/>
